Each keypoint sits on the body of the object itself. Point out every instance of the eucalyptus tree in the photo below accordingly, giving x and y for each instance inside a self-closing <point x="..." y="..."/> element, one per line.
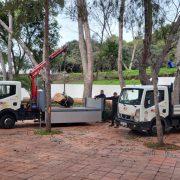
<point x="3" y="67"/>
<point x="120" y="43"/>
<point x="157" y="59"/>
<point x="176" y="95"/>
<point x="46" y="58"/>
<point x="78" y="10"/>
<point x="28" y="20"/>
<point x="102" y="13"/>
<point x="85" y="46"/>
<point x="149" y="16"/>
<point x="133" y="23"/>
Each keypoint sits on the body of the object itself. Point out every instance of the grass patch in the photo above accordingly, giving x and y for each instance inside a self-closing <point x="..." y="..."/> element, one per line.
<point x="116" y="82"/>
<point x="43" y="132"/>
<point x="111" y="77"/>
<point x="166" y="147"/>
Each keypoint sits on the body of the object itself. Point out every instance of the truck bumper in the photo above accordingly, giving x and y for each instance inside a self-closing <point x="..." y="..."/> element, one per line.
<point x="139" y="126"/>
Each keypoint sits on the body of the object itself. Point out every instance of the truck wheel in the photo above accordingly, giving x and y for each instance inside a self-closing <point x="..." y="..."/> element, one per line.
<point x="7" y="122"/>
<point x="153" y="130"/>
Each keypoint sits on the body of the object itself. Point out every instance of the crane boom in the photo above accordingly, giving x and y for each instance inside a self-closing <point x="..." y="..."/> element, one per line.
<point x="36" y="70"/>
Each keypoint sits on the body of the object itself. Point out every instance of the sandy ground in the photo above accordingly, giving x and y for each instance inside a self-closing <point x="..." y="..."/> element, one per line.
<point x="85" y="152"/>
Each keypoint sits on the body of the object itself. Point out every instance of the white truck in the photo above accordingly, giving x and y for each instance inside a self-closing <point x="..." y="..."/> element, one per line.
<point x="136" y="109"/>
<point x="13" y="109"/>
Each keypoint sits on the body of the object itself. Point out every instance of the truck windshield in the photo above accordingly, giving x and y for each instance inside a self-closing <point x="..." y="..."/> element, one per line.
<point x="131" y="96"/>
<point x="7" y="90"/>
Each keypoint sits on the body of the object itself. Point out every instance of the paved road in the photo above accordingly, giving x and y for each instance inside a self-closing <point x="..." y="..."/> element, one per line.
<point x="84" y="152"/>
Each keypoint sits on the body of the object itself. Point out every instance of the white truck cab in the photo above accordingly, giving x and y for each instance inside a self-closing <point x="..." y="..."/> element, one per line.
<point x="136" y="108"/>
<point x="10" y="102"/>
<point x="11" y="107"/>
<point x="10" y="95"/>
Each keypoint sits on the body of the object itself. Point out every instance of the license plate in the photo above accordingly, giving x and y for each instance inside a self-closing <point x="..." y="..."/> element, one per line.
<point x="123" y="124"/>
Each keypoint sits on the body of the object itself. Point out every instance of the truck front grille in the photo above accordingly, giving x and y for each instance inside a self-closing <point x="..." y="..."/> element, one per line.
<point x="124" y="116"/>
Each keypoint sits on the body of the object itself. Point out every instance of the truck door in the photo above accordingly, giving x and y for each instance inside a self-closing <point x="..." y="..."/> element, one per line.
<point x="149" y="106"/>
<point x="8" y="97"/>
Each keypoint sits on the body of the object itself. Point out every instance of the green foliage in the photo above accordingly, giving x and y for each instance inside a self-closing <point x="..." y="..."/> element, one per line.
<point x="28" y="24"/>
<point x="159" y="40"/>
<point x="72" y="61"/>
<point x="116" y="82"/>
<point x="106" y="58"/>
<point x="25" y="81"/>
<point x="108" y="54"/>
<point x="111" y="77"/>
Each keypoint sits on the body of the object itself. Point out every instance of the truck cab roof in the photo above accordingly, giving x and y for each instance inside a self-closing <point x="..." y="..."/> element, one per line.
<point x="145" y="87"/>
<point x="10" y="82"/>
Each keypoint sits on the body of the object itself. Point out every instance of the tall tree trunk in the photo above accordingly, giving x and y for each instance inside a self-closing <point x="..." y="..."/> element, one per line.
<point x="83" y="52"/>
<point x="146" y="43"/>
<point x="176" y="93"/>
<point x="3" y="67"/>
<point x="156" y="101"/>
<point x="10" y="64"/>
<point x="133" y="54"/>
<point x="155" y="68"/>
<point x="85" y="47"/>
<point x="120" y="41"/>
<point x="47" y="78"/>
<point x="89" y="58"/>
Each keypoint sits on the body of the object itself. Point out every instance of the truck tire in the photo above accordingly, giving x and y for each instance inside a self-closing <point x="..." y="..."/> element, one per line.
<point x="7" y="122"/>
<point x="153" y="130"/>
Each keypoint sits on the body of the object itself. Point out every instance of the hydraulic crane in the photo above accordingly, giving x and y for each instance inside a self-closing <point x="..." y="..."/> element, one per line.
<point x="36" y="70"/>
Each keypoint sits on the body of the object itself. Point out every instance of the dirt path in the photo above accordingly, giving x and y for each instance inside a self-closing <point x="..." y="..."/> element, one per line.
<point x="84" y="152"/>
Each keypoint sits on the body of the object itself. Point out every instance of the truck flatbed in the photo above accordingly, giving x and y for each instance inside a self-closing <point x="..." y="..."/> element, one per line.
<point x="75" y="115"/>
<point x="72" y="109"/>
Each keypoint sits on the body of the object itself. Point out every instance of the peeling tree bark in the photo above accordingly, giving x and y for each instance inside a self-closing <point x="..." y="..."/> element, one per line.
<point x="3" y="67"/>
<point x="85" y="47"/>
<point x="176" y="93"/>
<point x="47" y="79"/>
<point x="156" y="102"/>
<point x="133" y="55"/>
<point x="89" y="58"/>
<point x="10" y="62"/>
<point x="83" y="52"/>
<point x="155" y="68"/>
<point x="147" y="42"/>
<point x="120" y="42"/>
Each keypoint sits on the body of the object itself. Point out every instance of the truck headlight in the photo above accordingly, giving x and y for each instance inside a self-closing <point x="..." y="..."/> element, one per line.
<point x="137" y="115"/>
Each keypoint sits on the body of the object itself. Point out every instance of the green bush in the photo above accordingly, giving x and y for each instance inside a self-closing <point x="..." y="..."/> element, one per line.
<point x="25" y="81"/>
